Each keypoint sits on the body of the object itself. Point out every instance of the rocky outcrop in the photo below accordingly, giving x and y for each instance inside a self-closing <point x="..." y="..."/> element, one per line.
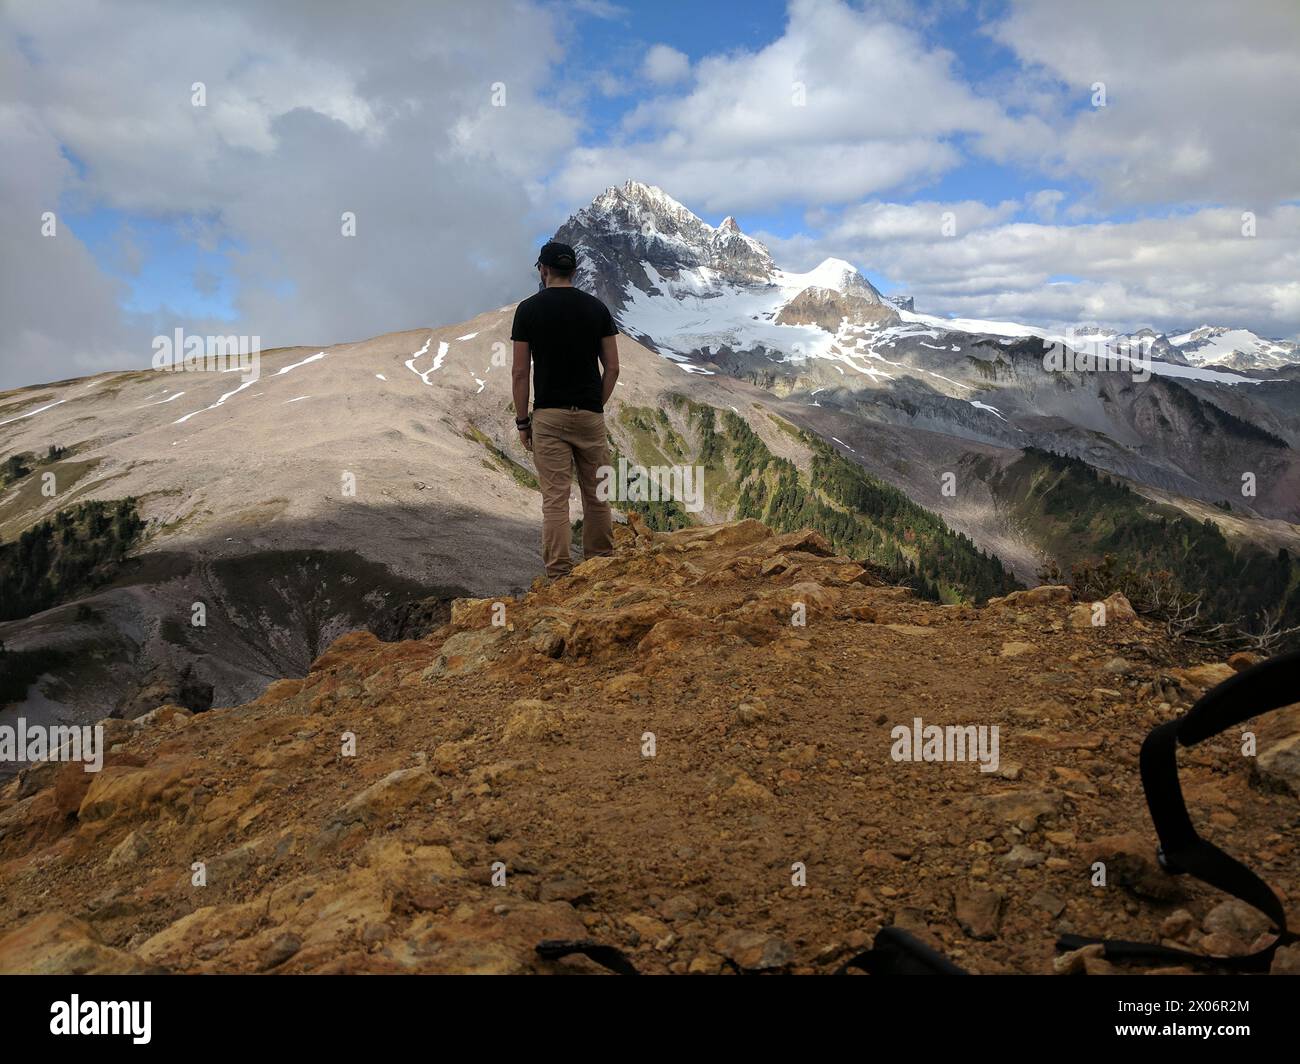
<point x="168" y="684"/>
<point x="413" y="620"/>
<point x="685" y="751"/>
<point x="829" y="308"/>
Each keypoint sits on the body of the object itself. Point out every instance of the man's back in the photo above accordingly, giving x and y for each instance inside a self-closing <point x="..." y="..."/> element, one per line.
<point x="564" y="327"/>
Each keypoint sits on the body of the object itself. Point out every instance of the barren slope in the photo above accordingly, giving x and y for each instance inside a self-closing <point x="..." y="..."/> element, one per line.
<point x="344" y="482"/>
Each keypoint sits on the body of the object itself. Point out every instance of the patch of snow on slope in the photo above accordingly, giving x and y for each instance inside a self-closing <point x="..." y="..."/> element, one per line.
<point x="233" y="391"/>
<point x="319" y="355"/>
<point x="161" y="401"/>
<point x="437" y="362"/>
<point x="698" y="310"/>
<point x="871" y="352"/>
<point x="985" y="406"/>
<point x="33" y="413"/>
<point x="970" y="325"/>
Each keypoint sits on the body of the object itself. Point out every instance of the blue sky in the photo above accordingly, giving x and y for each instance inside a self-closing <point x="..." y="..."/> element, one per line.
<point x="982" y="111"/>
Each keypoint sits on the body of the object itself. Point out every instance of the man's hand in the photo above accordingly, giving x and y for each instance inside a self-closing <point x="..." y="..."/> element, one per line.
<point x="526" y="438"/>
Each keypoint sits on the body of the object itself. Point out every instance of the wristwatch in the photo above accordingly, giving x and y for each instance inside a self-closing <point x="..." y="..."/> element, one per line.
<point x="526" y="423"/>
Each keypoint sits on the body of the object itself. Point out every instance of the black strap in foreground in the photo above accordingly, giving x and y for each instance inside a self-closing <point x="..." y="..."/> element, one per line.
<point x="895" y="952"/>
<point x="611" y="957"/>
<point x="1267" y="686"/>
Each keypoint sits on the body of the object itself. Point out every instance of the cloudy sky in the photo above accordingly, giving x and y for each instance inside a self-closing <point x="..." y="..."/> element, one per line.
<point x="1098" y="162"/>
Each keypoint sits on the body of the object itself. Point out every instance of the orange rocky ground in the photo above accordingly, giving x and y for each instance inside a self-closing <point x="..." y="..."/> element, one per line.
<point x="521" y="747"/>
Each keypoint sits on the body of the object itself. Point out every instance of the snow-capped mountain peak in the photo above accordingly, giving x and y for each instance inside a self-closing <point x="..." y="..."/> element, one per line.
<point x="833" y="274"/>
<point x="635" y="223"/>
<point x="1220" y="345"/>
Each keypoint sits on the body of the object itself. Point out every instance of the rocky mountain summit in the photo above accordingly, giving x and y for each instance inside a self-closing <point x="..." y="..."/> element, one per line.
<point x="626" y="228"/>
<point x="655" y="755"/>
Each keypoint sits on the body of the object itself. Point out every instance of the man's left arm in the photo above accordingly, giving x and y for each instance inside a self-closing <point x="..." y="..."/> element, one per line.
<point x="519" y="379"/>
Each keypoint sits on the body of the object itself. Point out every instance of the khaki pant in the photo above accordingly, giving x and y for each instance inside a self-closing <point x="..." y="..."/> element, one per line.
<point x="564" y="438"/>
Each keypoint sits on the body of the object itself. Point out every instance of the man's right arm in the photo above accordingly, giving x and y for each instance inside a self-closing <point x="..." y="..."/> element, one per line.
<point x="519" y="372"/>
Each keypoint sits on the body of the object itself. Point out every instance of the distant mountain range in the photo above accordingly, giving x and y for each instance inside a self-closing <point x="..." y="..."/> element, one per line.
<point x="689" y="289"/>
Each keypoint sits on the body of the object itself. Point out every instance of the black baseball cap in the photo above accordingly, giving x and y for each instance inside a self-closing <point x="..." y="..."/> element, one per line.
<point x="557" y="255"/>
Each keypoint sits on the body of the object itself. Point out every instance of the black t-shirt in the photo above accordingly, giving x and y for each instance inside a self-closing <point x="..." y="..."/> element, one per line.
<point x="564" y="327"/>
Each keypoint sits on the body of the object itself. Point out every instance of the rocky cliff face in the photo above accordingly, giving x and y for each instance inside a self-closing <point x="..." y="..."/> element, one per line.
<point x="827" y="308"/>
<point x="650" y="753"/>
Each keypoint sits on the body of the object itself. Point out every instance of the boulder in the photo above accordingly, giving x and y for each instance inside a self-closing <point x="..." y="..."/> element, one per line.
<point x="167" y="684"/>
<point x="477" y="612"/>
<point x="805" y="540"/>
<point x="754" y="951"/>
<point x="170" y="715"/>
<point x="1118" y="609"/>
<point x="1278" y="765"/>
<point x="1043" y="595"/>
<point x="978" y="911"/>
<point x="56" y="943"/>
<point x="1024" y="808"/>
<point x="531" y="720"/>
<point x="607" y="629"/>
<point x="389" y="795"/>
<point x="125" y="793"/>
<point x="467" y="651"/>
<point x="1131" y="863"/>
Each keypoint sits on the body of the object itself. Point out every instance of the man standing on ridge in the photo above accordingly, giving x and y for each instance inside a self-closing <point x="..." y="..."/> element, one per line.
<point x="568" y="336"/>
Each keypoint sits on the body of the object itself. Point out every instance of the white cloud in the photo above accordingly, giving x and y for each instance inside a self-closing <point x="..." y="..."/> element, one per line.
<point x="312" y="110"/>
<point x="1173" y="272"/>
<point x="599" y="9"/>
<point x="1201" y="100"/>
<point x="921" y="222"/>
<point x="665" y="65"/>
<point x="60" y="312"/>
<point x="843" y="105"/>
<point x="1045" y="202"/>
